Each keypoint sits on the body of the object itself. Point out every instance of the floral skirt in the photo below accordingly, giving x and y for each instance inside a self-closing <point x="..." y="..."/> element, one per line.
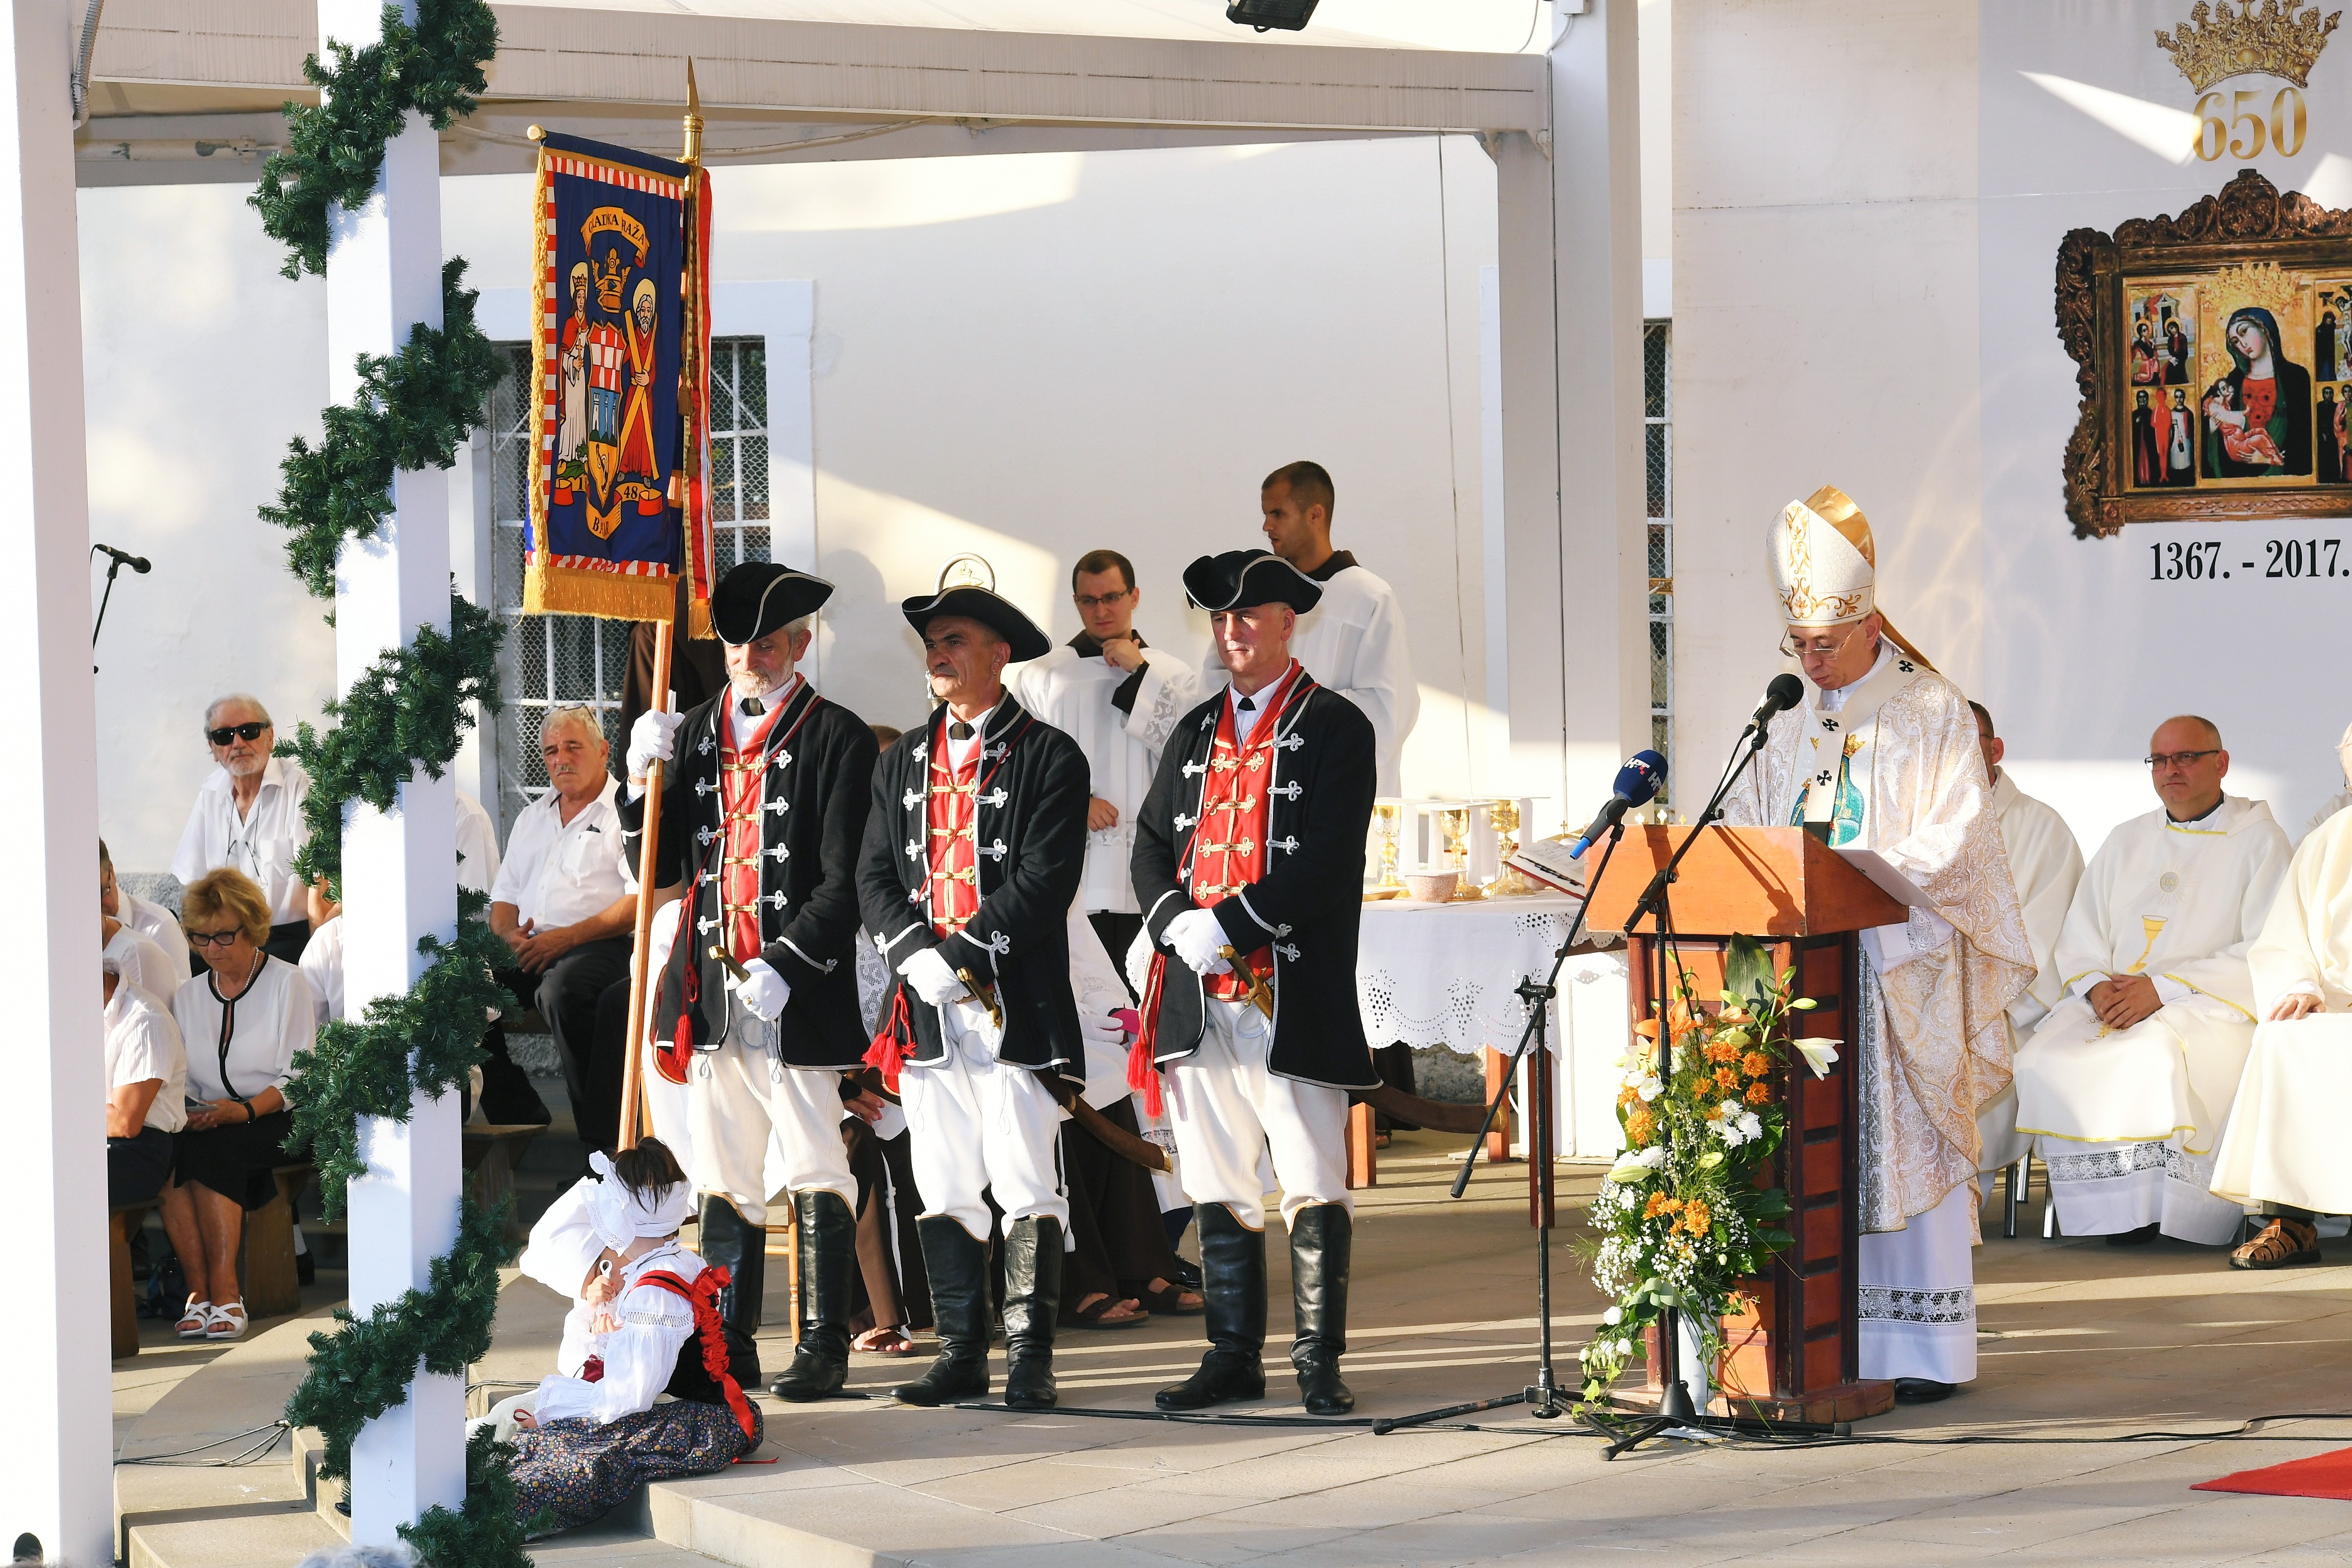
<point x="579" y="1470"/>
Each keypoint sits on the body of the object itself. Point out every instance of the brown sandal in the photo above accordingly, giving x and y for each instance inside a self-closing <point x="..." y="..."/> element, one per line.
<point x="2282" y="1241"/>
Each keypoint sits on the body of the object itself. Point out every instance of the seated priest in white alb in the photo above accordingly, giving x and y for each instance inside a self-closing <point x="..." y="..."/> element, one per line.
<point x="1883" y="755"/>
<point x="2045" y="864"/>
<point x="2126" y="1088"/>
<point x="2342" y="797"/>
<point x="2285" y="1150"/>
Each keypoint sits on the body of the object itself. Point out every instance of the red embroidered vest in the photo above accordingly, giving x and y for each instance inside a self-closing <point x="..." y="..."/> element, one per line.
<point x="949" y="814"/>
<point x="1229" y="845"/>
<point x="742" y="780"/>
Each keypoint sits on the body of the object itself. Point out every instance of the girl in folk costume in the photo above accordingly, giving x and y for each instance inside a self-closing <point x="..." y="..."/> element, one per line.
<point x="1249" y="862"/>
<point x="974" y="849"/>
<point x="1882" y="754"/>
<point x="756" y="1007"/>
<point x="644" y="1323"/>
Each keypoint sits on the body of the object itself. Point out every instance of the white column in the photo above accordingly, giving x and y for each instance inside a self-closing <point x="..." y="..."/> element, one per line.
<point x="1570" y="274"/>
<point x="383" y="276"/>
<point x="57" y="1486"/>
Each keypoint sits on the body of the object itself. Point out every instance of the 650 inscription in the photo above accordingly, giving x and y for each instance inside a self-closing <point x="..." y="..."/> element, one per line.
<point x="2193" y="560"/>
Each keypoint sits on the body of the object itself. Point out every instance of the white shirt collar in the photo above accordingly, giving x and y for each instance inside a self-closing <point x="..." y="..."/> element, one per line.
<point x="745" y="723"/>
<point x="552" y="804"/>
<point x="959" y="751"/>
<point x="1262" y="701"/>
<point x="1834" y="701"/>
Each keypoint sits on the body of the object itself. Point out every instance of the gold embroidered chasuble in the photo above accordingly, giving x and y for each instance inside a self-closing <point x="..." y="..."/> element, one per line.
<point x="1890" y="764"/>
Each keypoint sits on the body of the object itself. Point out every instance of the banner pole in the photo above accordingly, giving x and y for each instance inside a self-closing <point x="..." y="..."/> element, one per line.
<point x="632" y="1062"/>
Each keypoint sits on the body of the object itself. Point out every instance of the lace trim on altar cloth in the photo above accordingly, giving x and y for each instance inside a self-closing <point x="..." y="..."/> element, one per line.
<point x="2112" y="1164"/>
<point x="1887" y="1303"/>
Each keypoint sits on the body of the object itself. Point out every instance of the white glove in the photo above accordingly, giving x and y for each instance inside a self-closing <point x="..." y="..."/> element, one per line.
<point x="763" y="990"/>
<point x="931" y="978"/>
<point x="651" y="739"/>
<point x="1196" y="936"/>
<point x="1101" y="1031"/>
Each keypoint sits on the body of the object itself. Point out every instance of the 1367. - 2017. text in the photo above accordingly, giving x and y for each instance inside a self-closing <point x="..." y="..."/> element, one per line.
<point x="2200" y="560"/>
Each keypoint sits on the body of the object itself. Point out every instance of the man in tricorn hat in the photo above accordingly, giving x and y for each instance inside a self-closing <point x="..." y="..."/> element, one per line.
<point x="1882" y="754"/>
<point x="763" y="809"/>
<point x="974" y="852"/>
<point x="1249" y="858"/>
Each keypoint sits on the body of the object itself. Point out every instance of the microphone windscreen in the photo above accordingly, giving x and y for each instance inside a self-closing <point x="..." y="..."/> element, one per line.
<point x="1639" y="781"/>
<point x="1784" y="692"/>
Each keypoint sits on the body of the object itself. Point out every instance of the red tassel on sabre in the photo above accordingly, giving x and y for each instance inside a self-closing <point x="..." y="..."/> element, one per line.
<point x="888" y="1051"/>
<point x="1143" y="1071"/>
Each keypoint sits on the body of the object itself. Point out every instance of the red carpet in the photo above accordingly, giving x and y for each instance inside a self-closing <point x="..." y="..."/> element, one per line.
<point x="2322" y="1475"/>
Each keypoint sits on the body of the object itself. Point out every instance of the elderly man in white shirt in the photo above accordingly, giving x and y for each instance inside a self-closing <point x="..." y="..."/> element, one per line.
<point x="1118" y="700"/>
<point x="146" y="1090"/>
<point x="563" y="903"/>
<point x="249" y="816"/>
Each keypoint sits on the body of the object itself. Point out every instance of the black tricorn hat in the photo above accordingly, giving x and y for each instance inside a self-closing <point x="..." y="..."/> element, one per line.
<point x="1238" y="579"/>
<point x="998" y="615"/>
<point x="759" y="596"/>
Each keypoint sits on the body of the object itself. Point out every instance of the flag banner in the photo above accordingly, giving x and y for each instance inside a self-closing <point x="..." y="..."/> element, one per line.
<point x="619" y="500"/>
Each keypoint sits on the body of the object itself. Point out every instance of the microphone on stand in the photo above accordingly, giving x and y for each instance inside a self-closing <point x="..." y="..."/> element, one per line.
<point x="1637" y="784"/>
<point x="1784" y="693"/>
<point x="138" y="564"/>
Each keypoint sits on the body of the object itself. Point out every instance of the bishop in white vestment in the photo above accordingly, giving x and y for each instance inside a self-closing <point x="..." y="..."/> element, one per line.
<point x="2285" y="1150"/>
<point x="2045" y="863"/>
<point x="2127" y="1086"/>
<point x="1882" y="754"/>
<point x="1352" y="641"/>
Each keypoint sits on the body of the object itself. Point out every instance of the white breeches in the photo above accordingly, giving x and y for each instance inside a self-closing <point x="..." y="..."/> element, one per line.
<point x="1917" y="1301"/>
<point x="1228" y="1110"/>
<point x="740" y="1099"/>
<point x="981" y="1124"/>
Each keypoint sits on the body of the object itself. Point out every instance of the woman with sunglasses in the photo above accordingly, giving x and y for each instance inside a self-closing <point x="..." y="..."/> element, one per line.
<point x="248" y="815"/>
<point x="242" y="1020"/>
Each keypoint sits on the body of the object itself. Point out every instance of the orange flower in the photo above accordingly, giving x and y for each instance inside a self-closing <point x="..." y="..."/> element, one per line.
<point x="1756" y="1064"/>
<point x="1638" y="1126"/>
<point x="1717" y="1051"/>
<point x="1695" y="1219"/>
<point x="1759" y="1093"/>
<point x="1660" y="1204"/>
<point x="1629" y="1096"/>
<point x="1704" y="1089"/>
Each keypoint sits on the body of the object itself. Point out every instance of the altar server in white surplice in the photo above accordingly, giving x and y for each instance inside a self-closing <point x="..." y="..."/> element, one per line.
<point x="1883" y="755"/>
<point x="2286" y="1149"/>
<point x="2045" y="864"/>
<point x="2126" y="1088"/>
<point x="1118" y="700"/>
<point x="1352" y="641"/>
<point x="2342" y="797"/>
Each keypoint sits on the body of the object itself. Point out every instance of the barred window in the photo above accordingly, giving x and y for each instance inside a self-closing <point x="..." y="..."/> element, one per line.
<point x="554" y="661"/>
<point x="1658" y="448"/>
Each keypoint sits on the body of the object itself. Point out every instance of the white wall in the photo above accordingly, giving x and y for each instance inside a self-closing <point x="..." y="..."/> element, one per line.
<point x="1026" y="356"/>
<point x="201" y="362"/>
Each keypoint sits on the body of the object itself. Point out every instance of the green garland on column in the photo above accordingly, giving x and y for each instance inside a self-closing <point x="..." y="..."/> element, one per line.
<point x="412" y="411"/>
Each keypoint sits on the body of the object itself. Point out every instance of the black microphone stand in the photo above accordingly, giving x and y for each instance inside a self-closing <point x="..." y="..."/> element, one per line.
<point x="1675" y="1412"/>
<point x="114" y="564"/>
<point x="1543" y="1396"/>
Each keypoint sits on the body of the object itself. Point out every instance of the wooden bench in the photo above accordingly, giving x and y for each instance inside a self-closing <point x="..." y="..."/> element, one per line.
<point x="123" y="1291"/>
<point x="489" y="1152"/>
<point x="271" y="1286"/>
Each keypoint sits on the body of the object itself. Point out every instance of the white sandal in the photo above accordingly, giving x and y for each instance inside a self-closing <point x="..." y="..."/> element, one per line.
<point x="192" y="1322"/>
<point x="225" y="1322"/>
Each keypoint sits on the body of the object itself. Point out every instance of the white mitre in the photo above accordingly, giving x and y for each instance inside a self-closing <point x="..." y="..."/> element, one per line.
<point x="1825" y="566"/>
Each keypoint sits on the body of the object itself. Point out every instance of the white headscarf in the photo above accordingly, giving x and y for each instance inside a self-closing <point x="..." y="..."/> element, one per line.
<point x="620" y="1216"/>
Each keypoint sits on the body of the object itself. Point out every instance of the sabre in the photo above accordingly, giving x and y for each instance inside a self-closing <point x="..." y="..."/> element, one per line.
<point x="723" y="956"/>
<point x="984" y="994"/>
<point x="1260" y="992"/>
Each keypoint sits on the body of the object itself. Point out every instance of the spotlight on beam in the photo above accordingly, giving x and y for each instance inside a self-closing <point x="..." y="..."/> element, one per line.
<point x="1290" y="15"/>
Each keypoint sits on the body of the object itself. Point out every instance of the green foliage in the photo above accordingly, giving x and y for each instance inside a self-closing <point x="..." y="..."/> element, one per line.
<point x="427" y="1038"/>
<point x="410" y="708"/>
<point x="485" y="1533"/>
<point x="363" y="1369"/>
<point x="334" y="152"/>
<point x="412" y="411"/>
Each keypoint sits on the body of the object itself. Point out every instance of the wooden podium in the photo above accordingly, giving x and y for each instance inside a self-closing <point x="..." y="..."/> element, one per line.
<point x="1794" y="1356"/>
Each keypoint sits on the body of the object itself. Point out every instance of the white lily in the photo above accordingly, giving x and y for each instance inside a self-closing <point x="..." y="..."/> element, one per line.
<point x="1635" y="1166"/>
<point x="1818" y="1054"/>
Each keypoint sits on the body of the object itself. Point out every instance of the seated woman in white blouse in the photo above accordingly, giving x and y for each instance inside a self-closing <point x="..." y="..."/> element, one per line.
<point x="241" y="1021"/>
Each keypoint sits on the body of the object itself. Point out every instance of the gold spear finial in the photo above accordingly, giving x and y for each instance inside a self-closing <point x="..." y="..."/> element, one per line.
<point x="693" y="155"/>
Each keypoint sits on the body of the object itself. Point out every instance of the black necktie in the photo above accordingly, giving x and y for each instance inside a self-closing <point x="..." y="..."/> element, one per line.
<point x="959" y="731"/>
<point x="1247" y="705"/>
<point x="755" y="706"/>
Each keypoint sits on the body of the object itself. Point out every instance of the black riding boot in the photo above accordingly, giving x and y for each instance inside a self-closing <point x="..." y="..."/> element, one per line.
<point x="828" y="1237"/>
<point x="957" y="1262"/>
<point x="1032" y="1298"/>
<point x="1321" y="1237"/>
<point x="1232" y="1277"/>
<point x="729" y="1241"/>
